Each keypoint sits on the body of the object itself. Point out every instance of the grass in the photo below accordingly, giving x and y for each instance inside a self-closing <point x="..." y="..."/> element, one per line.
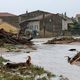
<point x="23" y="73"/>
<point x="44" y="78"/>
<point x="9" y="46"/>
<point x="5" y="75"/>
<point x="2" y="60"/>
<point x="37" y="70"/>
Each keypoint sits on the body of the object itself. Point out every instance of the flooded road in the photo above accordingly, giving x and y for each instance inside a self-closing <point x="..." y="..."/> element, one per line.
<point x="51" y="57"/>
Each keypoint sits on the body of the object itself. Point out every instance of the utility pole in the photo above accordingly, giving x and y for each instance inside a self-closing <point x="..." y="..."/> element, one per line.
<point x="19" y="20"/>
<point x="43" y="24"/>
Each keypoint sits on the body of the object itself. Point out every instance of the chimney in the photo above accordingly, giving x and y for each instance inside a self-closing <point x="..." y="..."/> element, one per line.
<point x="26" y="12"/>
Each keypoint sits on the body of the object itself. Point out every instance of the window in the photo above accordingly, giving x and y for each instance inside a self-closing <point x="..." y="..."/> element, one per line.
<point x="36" y="27"/>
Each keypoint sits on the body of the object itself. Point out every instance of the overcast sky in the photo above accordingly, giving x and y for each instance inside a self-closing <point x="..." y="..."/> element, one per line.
<point x="71" y="7"/>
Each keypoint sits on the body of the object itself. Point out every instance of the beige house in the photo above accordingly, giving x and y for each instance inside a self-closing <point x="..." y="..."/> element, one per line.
<point x="65" y="23"/>
<point x="77" y="17"/>
<point x="46" y="25"/>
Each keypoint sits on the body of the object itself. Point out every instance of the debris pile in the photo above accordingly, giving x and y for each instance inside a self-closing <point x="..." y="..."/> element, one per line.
<point x="63" y="40"/>
<point x="16" y="65"/>
<point x="7" y="37"/>
<point x="75" y="59"/>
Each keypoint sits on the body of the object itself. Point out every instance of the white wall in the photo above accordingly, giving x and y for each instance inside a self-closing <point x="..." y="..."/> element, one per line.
<point x="77" y="16"/>
<point x="34" y="25"/>
<point x="65" y="24"/>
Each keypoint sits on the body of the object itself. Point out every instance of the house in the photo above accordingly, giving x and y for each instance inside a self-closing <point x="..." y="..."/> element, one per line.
<point x="66" y="22"/>
<point x="10" y="18"/>
<point x="78" y="18"/>
<point x="6" y="14"/>
<point x="9" y="22"/>
<point x="32" y="14"/>
<point x="46" y="25"/>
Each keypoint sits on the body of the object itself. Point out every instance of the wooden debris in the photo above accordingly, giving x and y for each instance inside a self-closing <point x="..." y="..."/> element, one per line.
<point x="63" y="40"/>
<point x="75" y="58"/>
<point x="16" y="65"/>
<point x="7" y="37"/>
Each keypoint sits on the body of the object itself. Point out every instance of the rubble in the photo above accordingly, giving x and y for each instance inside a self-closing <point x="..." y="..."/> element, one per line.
<point x="16" y="65"/>
<point x="7" y="37"/>
<point x="76" y="58"/>
<point x="63" y="40"/>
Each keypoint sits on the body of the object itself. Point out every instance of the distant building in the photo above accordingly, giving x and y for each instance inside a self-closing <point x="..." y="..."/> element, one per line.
<point x="46" y="25"/>
<point x="65" y="23"/>
<point x="2" y="14"/>
<point x="32" y="14"/>
<point x="78" y="17"/>
<point x="8" y="22"/>
<point x="10" y="18"/>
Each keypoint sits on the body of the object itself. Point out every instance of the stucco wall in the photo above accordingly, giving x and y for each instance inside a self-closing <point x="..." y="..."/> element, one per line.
<point x="34" y="25"/>
<point x="65" y="24"/>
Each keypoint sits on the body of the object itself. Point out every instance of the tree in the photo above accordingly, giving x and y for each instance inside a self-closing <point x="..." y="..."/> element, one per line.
<point x="76" y="28"/>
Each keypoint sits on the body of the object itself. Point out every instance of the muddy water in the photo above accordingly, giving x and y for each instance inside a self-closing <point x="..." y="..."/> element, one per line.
<point x="51" y="57"/>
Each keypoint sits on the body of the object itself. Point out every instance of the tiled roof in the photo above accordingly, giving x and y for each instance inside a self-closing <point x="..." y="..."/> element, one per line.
<point x="39" y="17"/>
<point x="6" y="14"/>
<point x="37" y="11"/>
<point x="35" y="18"/>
